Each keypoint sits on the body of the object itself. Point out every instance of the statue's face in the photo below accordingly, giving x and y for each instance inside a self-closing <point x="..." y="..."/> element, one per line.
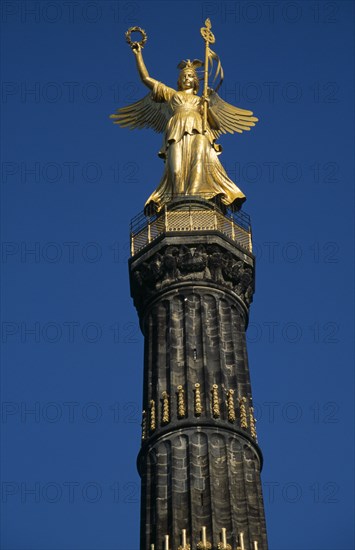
<point x="187" y="80"/>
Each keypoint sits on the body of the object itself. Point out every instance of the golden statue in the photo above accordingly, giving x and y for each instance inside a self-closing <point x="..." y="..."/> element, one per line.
<point x="191" y="125"/>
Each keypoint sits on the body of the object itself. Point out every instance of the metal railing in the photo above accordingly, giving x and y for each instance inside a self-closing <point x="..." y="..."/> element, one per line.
<point x="191" y="217"/>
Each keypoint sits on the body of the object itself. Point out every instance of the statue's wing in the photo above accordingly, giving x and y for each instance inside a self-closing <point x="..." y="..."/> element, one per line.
<point x="230" y="119"/>
<point x="145" y="113"/>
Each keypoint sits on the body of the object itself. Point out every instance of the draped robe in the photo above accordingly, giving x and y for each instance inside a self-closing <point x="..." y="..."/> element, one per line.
<point x="192" y="166"/>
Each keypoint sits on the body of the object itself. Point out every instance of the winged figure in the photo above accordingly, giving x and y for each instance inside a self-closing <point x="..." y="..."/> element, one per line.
<point x="190" y="151"/>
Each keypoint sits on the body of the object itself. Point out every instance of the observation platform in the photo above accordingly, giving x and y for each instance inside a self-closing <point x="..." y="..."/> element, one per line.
<point x="191" y="213"/>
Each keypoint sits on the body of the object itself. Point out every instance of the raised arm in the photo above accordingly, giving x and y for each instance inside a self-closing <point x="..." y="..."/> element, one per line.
<point x="142" y="69"/>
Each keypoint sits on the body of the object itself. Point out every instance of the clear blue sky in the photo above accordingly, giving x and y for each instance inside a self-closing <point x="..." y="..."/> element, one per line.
<point x="71" y="182"/>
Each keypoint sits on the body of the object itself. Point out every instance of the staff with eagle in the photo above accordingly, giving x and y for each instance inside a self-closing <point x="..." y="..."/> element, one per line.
<point x="191" y="126"/>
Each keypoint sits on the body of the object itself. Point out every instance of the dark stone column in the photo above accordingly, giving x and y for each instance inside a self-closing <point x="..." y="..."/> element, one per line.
<point x="199" y="462"/>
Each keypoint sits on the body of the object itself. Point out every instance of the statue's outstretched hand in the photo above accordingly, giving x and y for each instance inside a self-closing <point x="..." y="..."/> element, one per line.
<point x="136" y="48"/>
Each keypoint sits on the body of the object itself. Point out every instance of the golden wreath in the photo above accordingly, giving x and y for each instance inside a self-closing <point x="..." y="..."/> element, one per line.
<point x="136" y="29"/>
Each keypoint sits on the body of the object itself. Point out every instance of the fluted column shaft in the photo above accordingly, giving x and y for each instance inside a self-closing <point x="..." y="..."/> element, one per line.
<point x="199" y="462"/>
